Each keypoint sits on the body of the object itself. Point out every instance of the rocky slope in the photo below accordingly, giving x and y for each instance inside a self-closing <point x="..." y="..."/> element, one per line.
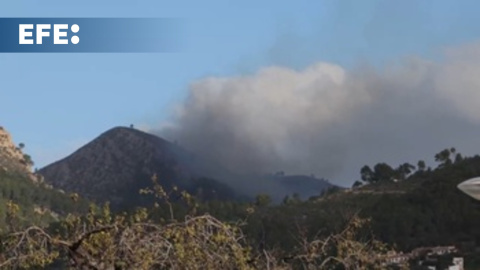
<point x="11" y="157"/>
<point x="121" y="161"/>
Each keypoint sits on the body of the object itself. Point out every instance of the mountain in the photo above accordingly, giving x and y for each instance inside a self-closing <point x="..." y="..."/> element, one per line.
<point x="121" y="161"/>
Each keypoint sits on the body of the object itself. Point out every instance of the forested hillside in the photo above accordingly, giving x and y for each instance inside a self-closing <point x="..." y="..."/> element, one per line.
<point x="391" y="209"/>
<point x="422" y="207"/>
<point x="37" y="201"/>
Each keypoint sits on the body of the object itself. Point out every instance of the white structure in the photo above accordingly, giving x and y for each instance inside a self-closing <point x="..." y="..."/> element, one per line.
<point x="442" y="250"/>
<point x="471" y="187"/>
<point x="457" y="264"/>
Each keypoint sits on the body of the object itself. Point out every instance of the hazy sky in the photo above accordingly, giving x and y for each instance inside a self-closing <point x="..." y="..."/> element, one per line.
<point x="56" y="102"/>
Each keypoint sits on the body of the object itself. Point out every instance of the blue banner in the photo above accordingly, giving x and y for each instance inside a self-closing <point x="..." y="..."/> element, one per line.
<point x="89" y="35"/>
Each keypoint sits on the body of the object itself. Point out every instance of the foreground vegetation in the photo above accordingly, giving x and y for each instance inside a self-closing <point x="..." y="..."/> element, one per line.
<point x="391" y="208"/>
<point x="149" y="239"/>
<point x="38" y="203"/>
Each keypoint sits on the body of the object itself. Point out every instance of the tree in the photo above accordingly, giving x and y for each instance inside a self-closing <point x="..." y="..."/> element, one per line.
<point x="367" y="174"/>
<point x="344" y="250"/>
<point x="458" y="158"/>
<point x="421" y="165"/>
<point x="28" y="160"/>
<point x="103" y="241"/>
<point x="383" y="172"/>
<point x="21" y="146"/>
<point x="443" y="157"/>
<point x="357" y="184"/>
<point x="263" y="200"/>
<point x="404" y="170"/>
<point x="287" y="200"/>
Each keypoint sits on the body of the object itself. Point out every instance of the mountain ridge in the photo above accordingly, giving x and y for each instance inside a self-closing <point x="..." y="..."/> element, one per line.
<point x="122" y="160"/>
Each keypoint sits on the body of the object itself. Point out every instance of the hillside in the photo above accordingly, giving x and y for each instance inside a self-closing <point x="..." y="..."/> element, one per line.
<point x="425" y="209"/>
<point x="38" y="201"/>
<point x="121" y="161"/>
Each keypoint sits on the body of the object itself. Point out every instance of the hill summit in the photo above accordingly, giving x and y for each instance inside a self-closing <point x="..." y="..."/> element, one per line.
<point x="121" y="161"/>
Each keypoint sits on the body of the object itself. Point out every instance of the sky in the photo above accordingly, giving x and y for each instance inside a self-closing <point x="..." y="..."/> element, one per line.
<point x="54" y="103"/>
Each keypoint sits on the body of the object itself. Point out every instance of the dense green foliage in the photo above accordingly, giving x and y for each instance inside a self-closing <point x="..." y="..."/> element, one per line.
<point x="38" y="202"/>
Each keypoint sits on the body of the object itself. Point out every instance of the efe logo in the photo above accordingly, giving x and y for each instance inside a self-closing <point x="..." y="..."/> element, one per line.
<point x="60" y="33"/>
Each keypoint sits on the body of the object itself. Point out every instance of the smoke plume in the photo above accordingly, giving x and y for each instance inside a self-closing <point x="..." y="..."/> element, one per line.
<point x="330" y="121"/>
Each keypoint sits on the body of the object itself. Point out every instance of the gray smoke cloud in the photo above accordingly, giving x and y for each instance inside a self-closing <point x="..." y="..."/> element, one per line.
<point x="330" y="121"/>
